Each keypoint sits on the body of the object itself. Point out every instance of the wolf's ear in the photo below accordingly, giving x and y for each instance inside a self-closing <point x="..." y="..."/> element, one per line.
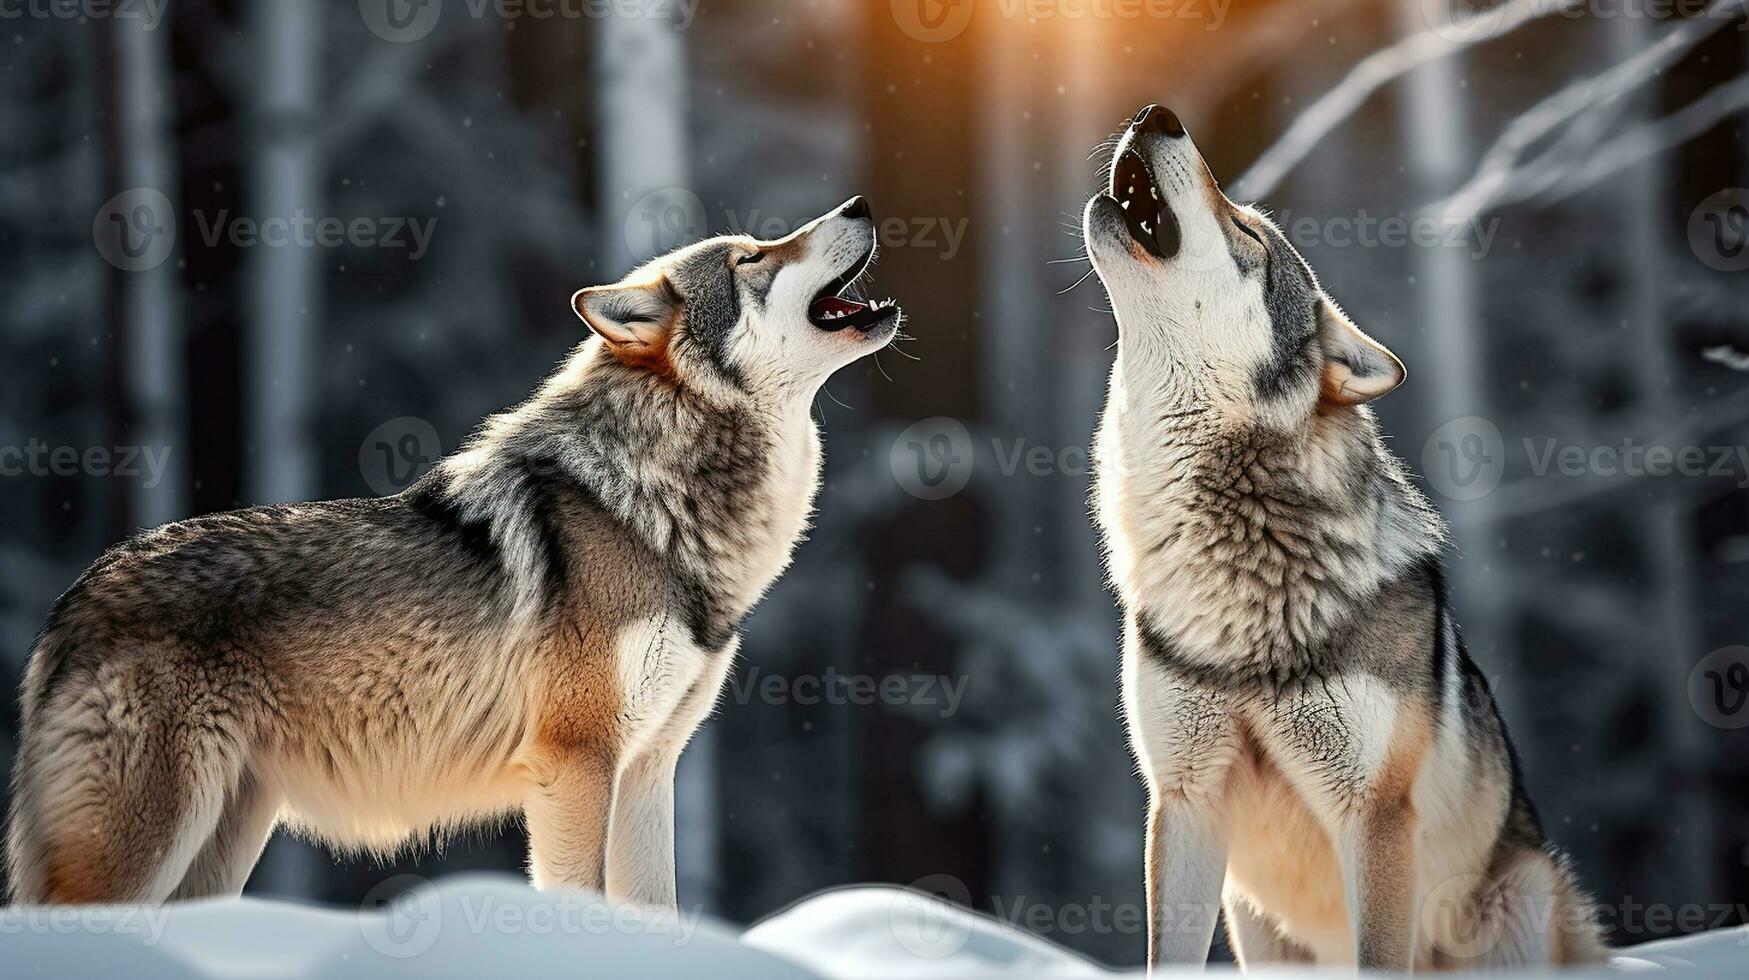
<point x="634" y="318"/>
<point x="1357" y="368"/>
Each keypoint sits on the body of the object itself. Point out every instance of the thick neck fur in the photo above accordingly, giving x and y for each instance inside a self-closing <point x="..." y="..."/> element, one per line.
<point x="718" y="483"/>
<point x="1243" y="543"/>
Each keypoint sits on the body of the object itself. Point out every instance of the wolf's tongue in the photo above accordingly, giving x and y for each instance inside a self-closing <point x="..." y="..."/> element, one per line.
<point x="827" y="307"/>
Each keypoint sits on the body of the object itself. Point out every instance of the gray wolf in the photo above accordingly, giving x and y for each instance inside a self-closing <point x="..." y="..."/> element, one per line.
<point x="536" y="626"/>
<point x="1323" y="759"/>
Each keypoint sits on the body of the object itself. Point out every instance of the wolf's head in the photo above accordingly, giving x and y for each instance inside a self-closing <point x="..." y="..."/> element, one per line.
<point x="1212" y="293"/>
<point x="733" y="312"/>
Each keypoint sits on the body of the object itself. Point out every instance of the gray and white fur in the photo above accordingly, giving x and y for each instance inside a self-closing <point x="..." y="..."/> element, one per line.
<point x="536" y="627"/>
<point x="1323" y="759"/>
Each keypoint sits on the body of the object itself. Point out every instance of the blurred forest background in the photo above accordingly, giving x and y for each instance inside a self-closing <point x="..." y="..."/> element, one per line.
<point x="1535" y="205"/>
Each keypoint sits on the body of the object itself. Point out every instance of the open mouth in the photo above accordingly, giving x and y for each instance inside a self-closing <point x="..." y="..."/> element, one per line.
<point x="832" y="311"/>
<point x="1150" y="219"/>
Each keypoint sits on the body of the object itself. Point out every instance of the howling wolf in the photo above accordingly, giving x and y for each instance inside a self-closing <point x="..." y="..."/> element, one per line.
<point x="539" y="624"/>
<point x="1323" y="759"/>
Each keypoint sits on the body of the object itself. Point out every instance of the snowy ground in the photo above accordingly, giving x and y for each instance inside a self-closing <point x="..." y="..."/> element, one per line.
<point x="471" y="927"/>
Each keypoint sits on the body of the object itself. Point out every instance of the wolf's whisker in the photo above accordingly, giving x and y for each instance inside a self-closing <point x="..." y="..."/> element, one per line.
<point x="828" y="393"/>
<point x="1078" y="281"/>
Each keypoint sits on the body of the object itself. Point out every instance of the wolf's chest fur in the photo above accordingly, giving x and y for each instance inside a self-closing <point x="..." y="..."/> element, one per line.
<point x="1230" y="542"/>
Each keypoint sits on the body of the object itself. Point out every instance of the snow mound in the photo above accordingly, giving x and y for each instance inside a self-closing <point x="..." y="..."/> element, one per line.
<point x="870" y="932"/>
<point x="473" y="926"/>
<point x="467" y="927"/>
<point x="883" y="932"/>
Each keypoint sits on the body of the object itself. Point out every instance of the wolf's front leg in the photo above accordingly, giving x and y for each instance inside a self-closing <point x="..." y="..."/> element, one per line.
<point x="1378" y="870"/>
<point x="1187" y="863"/>
<point x="640" y="847"/>
<point x="1185" y="738"/>
<point x="1354" y="746"/>
<point x="567" y="813"/>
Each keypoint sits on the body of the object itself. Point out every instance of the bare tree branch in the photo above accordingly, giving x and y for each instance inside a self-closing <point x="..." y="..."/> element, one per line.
<point x="1266" y="39"/>
<point x="1493" y="181"/>
<point x="1377" y="70"/>
<point x="1719" y="103"/>
<point x="1727" y="355"/>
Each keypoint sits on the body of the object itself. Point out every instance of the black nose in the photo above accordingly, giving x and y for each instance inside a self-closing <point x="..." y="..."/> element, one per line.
<point x="1159" y="119"/>
<point x="856" y="207"/>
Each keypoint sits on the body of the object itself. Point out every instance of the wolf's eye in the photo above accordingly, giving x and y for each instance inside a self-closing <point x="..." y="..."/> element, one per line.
<point x="749" y="259"/>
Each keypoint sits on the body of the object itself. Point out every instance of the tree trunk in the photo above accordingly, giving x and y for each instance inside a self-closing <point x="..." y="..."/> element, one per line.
<point x="148" y="307"/>
<point x="283" y="304"/>
<point x="1664" y="526"/>
<point x="1434" y="122"/>
<point x="640" y="112"/>
<point x="282" y="300"/>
